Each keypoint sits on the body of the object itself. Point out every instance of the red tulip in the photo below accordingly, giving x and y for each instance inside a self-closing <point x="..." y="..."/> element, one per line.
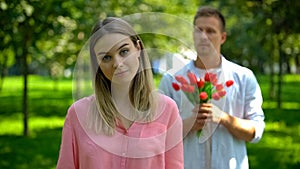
<point x="219" y="87"/>
<point x="222" y="93"/>
<point x="181" y="79"/>
<point x="207" y="77"/>
<point x="211" y="77"/>
<point x="229" y="83"/>
<point x="192" y="77"/>
<point x="203" y="95"/>
<point x="187" y="88"/>
<point x="200" y="83"/>
<point x="216" y="96"/>
<point x="209" y="82"/>
<point x="175" y="86"/>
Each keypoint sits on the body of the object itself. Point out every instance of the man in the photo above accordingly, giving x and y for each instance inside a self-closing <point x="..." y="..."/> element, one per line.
<point x="226" y="124"/>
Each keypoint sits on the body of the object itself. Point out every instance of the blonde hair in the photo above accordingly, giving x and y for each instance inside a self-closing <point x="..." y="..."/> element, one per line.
<point x="141" y="94"/>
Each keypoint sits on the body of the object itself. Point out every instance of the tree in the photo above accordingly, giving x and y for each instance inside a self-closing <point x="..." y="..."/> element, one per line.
<point x="260" y="32"/>
<point x="28" y="22"/>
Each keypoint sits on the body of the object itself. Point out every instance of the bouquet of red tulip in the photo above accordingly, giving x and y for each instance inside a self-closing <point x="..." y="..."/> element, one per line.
<point x="201" y="90"/>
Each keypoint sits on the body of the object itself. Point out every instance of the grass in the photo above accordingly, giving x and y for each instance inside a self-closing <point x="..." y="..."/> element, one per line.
<point x="48" y="104"/>
<point x="280" y="145"/>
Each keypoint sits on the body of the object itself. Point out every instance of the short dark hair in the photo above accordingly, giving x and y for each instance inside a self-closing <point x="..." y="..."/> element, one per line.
<point x="209" y="11"/>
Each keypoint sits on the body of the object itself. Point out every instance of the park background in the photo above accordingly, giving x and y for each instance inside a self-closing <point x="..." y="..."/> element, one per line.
<point x="40" y="41"/>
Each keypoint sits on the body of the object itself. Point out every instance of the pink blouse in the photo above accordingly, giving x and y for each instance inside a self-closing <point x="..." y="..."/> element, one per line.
<point x="153" y="145"/>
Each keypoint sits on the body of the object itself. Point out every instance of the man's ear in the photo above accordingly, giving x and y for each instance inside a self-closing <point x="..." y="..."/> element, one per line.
<point x="223" y="37"/>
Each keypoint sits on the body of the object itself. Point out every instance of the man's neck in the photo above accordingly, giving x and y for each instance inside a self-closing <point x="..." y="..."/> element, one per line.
<point x="209" y="62"/>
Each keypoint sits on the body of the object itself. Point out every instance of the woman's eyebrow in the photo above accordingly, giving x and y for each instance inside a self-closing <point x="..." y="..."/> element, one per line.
<point x="101" y="53"/>
<point x="125" y="44"/>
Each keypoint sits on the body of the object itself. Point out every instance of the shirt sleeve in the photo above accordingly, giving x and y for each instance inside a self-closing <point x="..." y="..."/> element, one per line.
<point x="165" y="84"/>
<point x="68" y="158"/>
<point x="184" y="105"/>
<point x="253" y="107"/>
<point x="174" y="144"/>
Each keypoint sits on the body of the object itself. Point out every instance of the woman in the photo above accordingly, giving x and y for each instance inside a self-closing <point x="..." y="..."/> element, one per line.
<point x="125" y="123"/>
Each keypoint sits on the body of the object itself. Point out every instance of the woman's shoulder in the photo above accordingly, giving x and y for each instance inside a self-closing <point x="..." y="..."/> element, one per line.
<point x="78" y="111"/>
<point x="81" y="105"/>
<point x="164" y="99"/>
<point x="168" y="112"/>
<point x="167" y="106"/>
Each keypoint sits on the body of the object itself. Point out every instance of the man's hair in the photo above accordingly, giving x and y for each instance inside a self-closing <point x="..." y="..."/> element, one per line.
<point x="207" y="11"/>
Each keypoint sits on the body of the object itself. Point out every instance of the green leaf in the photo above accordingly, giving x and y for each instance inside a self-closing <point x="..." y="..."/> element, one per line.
<point x="199" y="133"/>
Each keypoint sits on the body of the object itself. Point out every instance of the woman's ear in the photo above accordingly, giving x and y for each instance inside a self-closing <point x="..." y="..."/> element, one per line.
<point x="139" y="47"/>
<point x="138" y="44"/>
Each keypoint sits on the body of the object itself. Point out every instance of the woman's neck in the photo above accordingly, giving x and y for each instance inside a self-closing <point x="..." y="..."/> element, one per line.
<point x="119" y="92"/>
<point x="120" y="95"/>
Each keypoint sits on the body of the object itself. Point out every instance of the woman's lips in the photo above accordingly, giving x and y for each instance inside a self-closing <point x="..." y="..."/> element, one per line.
<point x="120" y="73"/>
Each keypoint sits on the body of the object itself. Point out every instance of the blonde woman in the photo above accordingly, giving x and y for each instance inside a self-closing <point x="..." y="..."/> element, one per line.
<point x="125" y="123"/>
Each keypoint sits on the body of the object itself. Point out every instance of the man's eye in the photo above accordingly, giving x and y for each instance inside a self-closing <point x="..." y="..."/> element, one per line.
<point x="124" y="52"/>
<point x="197" y="29"/>
<point x="210" y="31"/>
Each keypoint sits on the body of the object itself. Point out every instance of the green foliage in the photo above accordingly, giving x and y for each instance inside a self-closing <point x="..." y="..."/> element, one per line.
<point x="279" y="145"/>
<point x="51" y="34"/>
<point x="47" y="110"/>
<point x="54" y="31"/>
<point x="253" y="29"/>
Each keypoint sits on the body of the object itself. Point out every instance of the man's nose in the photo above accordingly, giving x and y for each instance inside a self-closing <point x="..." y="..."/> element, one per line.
<point x="203" y="35"/>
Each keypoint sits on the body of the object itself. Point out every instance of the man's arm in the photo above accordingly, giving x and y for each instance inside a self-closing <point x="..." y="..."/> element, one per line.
<point x="190" y="124"/>
<point x="249" y="128"/>
<point x="195" y="122"/>
<point x="240" y="128"/>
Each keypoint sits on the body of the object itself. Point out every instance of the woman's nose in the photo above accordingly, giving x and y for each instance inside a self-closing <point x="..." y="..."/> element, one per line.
<point x="118" y="60"/>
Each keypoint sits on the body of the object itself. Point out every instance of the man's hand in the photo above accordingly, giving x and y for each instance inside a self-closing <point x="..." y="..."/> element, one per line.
<point x="202" y="113"/>
<point x="207" y="112"/>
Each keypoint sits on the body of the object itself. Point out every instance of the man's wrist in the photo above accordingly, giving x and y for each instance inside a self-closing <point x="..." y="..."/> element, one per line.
<point x="224" y="118"/>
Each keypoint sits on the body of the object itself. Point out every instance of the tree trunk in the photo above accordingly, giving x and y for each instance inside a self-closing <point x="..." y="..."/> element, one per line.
<point x="297" y="64"/>
<point x="280" y="74"/>
<point x="25" y="95"/>
<point x="272" y="75"/>
<point x="3" y="70"/>
<point x="25" y="87"/>
<point x="286" y="61"/>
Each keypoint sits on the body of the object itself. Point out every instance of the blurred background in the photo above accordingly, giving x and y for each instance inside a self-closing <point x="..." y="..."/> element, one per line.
<point x="40" y="42"/>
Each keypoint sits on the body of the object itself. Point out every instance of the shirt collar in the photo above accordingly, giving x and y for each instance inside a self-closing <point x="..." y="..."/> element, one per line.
<point x="191" y="67"/>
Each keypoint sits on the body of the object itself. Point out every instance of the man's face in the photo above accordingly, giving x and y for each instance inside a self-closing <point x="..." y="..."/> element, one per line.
<point x="208" y="36"/>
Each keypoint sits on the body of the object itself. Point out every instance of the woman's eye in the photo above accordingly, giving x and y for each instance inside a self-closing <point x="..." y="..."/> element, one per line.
<point x="124" y="52"/>
<point x="106" y="58"/>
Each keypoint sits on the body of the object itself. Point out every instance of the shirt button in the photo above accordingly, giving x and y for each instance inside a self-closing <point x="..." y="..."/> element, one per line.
<point x="123" y="154"/>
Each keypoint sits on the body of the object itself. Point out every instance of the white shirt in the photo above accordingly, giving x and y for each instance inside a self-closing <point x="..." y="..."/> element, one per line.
<point x="243" y="99"/>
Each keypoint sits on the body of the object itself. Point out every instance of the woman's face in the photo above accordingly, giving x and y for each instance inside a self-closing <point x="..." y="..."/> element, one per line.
<point x="117" y="57"/>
